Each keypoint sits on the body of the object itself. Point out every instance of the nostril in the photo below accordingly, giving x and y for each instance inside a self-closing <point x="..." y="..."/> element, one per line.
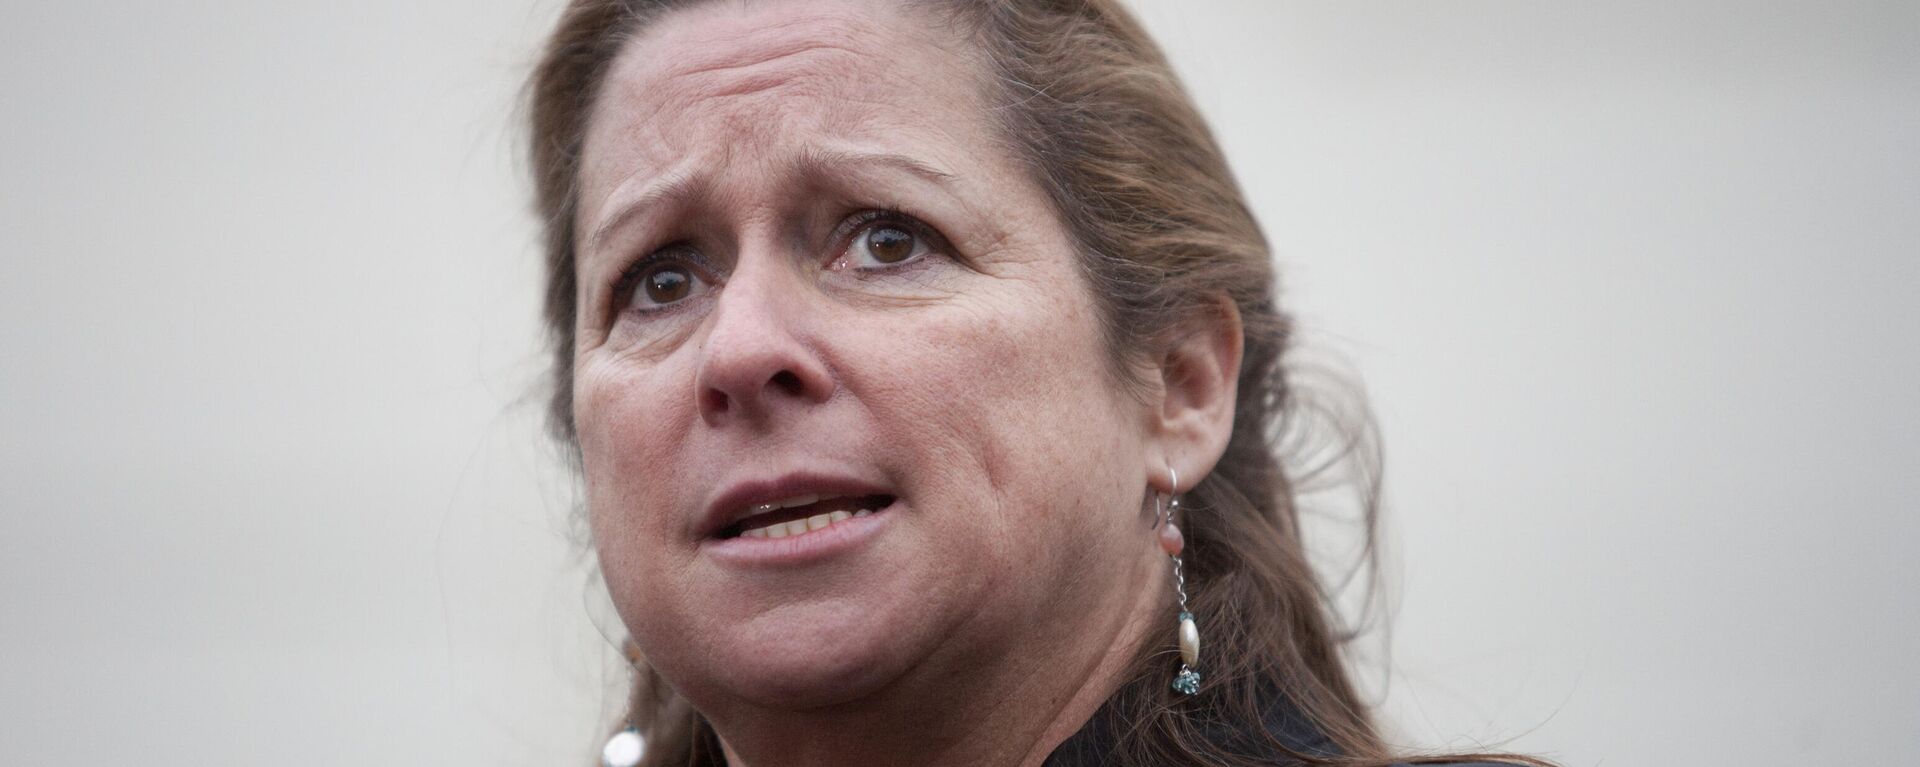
<point x="713" y="401"/>
<point x="788" y="383"/>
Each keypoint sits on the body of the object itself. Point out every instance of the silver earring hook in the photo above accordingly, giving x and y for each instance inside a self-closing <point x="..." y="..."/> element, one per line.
<point x="1173" y="492"/>
<point x="1163" y="510"/>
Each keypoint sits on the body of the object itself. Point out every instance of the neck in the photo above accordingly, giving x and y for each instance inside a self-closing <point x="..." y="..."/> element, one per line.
<point x="1007" y="704"/>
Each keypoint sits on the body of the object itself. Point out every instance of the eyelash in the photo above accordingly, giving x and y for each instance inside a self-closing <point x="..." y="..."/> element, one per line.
<point x="844" y="235"/>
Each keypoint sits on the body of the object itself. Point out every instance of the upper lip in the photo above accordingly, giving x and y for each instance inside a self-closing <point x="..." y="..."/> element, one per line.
<point x="736" y="501"/>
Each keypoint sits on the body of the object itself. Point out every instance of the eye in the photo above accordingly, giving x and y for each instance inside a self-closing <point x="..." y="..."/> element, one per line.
<point x="667" y="284"/>
<point x="885" y="243"/>
<point x="661" y="281"/>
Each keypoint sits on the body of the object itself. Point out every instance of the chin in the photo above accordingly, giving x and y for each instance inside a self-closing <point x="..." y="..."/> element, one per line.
<point x="795" y="664"/>
<point x="814" y="683"/>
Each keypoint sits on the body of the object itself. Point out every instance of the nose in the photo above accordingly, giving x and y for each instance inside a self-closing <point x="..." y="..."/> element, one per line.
<point x="759" y="358"/>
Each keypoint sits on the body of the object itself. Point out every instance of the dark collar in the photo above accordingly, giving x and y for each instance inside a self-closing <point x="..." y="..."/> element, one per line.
<point x="1099" y="739"/>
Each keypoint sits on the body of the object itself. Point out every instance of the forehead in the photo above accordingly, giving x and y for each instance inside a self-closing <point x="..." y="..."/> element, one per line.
<point x="726" y="83"/>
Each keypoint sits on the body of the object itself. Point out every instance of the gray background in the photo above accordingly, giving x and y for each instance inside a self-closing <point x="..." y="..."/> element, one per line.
<point x="1632" y="285"/>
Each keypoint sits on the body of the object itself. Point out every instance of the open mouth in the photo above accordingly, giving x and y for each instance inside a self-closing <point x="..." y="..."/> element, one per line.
<point x="803" y="514"/>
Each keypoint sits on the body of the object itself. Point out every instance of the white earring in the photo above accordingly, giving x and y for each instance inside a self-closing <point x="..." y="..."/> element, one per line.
<point x="624" y="749"/>
<point x="627" y="746"/>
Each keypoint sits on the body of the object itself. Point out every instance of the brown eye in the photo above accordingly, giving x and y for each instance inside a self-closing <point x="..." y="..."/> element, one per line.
<point x="664" y="284"/>
<point x="888" y="244"/>
<point x="668" y="284"/>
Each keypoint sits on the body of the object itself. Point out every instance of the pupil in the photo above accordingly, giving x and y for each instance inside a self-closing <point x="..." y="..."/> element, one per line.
<point x="667" y="285"/>
<point x="890" y="245"/>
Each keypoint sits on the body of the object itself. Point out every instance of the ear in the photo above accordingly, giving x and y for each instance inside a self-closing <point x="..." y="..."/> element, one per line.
<point x="1199" y="379"/>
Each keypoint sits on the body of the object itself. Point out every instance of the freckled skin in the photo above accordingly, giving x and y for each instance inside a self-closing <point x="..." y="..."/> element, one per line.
<point x="972" y="384"/>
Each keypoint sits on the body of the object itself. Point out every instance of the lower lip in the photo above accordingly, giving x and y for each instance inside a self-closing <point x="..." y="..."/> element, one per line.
<point x="837" y="539"/>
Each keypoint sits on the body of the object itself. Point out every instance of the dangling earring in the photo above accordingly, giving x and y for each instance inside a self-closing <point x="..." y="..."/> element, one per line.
<point x="1187" y="682"/>
<point x="626" y="747"/>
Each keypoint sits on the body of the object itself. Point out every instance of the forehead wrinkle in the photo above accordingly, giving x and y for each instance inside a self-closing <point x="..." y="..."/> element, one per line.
<point x="678" y="73"/>
<point x="761" y="73"/>
<point x="744" y="43"/>
<point x="699" y="68"/>
<point x="757" y="55"/>
<point x="810" y="162"/>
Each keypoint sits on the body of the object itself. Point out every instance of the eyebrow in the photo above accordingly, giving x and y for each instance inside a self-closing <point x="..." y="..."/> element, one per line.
<point x="813" y="162"/>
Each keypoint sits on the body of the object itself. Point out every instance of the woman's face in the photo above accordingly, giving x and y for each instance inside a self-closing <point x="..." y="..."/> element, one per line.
<point x="816" y="289"/>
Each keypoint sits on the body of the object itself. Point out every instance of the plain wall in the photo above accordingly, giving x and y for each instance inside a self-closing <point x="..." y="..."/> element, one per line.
<point x="1632" y="285"/>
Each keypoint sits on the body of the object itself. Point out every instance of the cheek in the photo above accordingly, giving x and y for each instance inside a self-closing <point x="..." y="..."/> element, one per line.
<point x="1015" y="428"/>
<point x="631" y="429"/>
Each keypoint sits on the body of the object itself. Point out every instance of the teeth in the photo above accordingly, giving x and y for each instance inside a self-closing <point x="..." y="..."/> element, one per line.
<point x="801" y="526"/>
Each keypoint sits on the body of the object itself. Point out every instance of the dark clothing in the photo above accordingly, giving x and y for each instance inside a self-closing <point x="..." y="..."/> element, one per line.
<point x="1097" y="742"/>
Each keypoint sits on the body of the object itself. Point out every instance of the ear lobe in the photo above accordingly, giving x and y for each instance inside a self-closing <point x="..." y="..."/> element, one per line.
<point x="1199" y="383"/>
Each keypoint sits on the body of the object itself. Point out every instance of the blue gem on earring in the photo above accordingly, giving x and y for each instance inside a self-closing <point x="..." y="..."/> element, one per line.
<point x="1187" y="682"/>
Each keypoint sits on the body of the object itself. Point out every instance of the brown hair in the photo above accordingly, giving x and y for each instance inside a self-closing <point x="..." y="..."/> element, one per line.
<point x="1096" y="114"/>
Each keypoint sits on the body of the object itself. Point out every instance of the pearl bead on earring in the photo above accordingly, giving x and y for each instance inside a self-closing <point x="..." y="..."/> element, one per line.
<point x="624" y="749"/>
